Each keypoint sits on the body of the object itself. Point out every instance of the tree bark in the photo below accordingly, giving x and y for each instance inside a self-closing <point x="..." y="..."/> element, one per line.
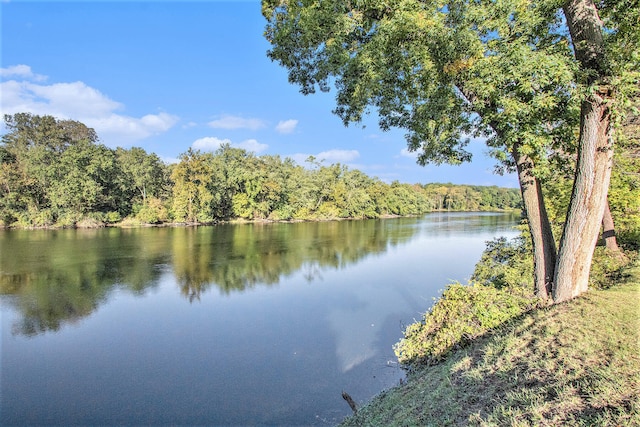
<point x="608" y="229"/>
<point x="588" y="200"/>
<point x="595" y="154"/>
<point x="544" y="245"/>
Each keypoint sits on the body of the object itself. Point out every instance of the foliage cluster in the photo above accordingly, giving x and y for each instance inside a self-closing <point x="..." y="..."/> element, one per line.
<point x="624" y="191"/>
<point x="55" y="173"/>
<point x="461" y="314"/>
<point x="471" y="197"/>
<point x="501" y="289"/>
<point x="608" y="265"/>
<point x="505" y="264"/>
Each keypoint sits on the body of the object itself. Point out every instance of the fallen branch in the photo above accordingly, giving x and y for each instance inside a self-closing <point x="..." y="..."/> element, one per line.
<point x="350" y="401"/>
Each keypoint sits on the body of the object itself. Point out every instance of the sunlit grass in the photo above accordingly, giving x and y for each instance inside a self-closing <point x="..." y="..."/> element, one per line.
<point x="572" y="364"/>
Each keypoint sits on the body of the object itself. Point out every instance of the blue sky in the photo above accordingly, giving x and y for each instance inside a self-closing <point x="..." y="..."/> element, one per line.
<point x="166" y="76"/>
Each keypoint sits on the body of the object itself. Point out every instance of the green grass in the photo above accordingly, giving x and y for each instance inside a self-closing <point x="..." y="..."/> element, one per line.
<point x="574" y="364"/>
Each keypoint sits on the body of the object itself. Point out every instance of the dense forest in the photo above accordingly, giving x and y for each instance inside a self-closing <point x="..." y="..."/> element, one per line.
<point x="56" y="173"/>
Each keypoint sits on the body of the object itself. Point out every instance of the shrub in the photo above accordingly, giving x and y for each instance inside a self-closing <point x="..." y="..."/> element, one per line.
<point x="630" y="239"/>
<point x="462" y="313"/>
<point x="302" y="214"/>
<point x="93" y="220"/>
<point x="328" y="210"/>
<point x="242" y="206"/>
<point x="153" y="212"/>
<point x="112" y="217"/>
<point x="502" y="289"/>
<point x="283" y="213"/>
<point x="506" y="263"/>
<point x="130" y="221"/>
<point x="42" y="218"/>
<point x="68" y="219"/>
<point x="606" y="267"/>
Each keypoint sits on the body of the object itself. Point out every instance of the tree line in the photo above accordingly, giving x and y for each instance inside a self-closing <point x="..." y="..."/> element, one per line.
<point x="56" y="173"/>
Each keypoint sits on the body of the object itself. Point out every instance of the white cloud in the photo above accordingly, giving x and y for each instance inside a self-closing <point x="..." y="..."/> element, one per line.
<point x="338" y="156"/>
<point x="211" y="143"/>
<point x="21" y="71"/>
<point x="159" y="122"/>
<point x="252" y="145"/>
<point x="287" y="126"/>
<point x="327" y="157"/>
<point x="123" y="129"/>
<point x="406" y="153"/>
<point x="235" y="122"/>
<point x="68" y="100"/>
<point x="78" y="101"/>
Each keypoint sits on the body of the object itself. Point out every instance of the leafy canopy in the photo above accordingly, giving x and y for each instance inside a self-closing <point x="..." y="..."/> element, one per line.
<point x="443" y="71"/>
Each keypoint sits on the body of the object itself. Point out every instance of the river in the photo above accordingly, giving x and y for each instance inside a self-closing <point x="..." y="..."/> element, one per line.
<point x="235" y="324"/>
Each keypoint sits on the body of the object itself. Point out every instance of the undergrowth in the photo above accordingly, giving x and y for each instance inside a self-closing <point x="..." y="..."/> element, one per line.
<point x="501" y="289"/>
<point x="462" y="314"/>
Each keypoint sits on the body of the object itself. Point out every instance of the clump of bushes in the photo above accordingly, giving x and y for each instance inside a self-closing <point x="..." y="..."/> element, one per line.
<point x="153" y="212"/>
<point x="461" y="314"/>
<point x="501" y="289"/>
<point x="506" y="263"/>
<point x="607" y="267"/>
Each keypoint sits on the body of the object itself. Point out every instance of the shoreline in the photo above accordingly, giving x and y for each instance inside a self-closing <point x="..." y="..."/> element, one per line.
<point x="542" y="368"/>
<point x="92" y="224"/>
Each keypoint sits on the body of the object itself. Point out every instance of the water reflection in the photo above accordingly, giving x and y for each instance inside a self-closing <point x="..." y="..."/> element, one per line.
<point x="57" y="277"/>
<point x="61" y="276"/>
<point x="239" y="257"/>
<point x="282" y="317"/>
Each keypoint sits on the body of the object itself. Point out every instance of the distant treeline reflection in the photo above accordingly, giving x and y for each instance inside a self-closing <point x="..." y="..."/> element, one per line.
<point x="60" y="276"/>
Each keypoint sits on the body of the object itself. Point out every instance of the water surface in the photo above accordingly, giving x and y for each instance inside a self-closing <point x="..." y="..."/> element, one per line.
<point x="253" y="324"/>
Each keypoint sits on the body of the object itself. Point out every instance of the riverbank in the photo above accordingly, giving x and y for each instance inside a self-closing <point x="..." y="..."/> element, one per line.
<point x="570" y="364"/>
<point x="89" y="223"/>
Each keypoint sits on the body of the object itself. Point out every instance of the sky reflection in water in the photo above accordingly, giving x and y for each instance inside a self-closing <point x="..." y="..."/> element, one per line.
<point x="233" y="324"/>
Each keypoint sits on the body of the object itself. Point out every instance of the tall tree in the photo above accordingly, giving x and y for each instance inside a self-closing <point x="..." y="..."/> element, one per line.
<point x="81" y="179"/>
<point x="145" y="173"/>
<point x="192" y="178"/>
<point x="588" y="204"/>
<point x="443" y="71"/>
<point x="31" y="170"/>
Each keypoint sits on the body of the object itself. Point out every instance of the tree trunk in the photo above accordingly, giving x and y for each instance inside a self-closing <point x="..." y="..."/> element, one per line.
<point x="608" y="229"/>
<point x="588" y="199"/>
<point x="544" y="246"/>
<point x="585" y="27"/>
<point x="595" y="154"/>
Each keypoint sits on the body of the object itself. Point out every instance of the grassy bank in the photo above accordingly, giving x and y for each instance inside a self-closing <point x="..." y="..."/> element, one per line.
<point x="572" y="364"/>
